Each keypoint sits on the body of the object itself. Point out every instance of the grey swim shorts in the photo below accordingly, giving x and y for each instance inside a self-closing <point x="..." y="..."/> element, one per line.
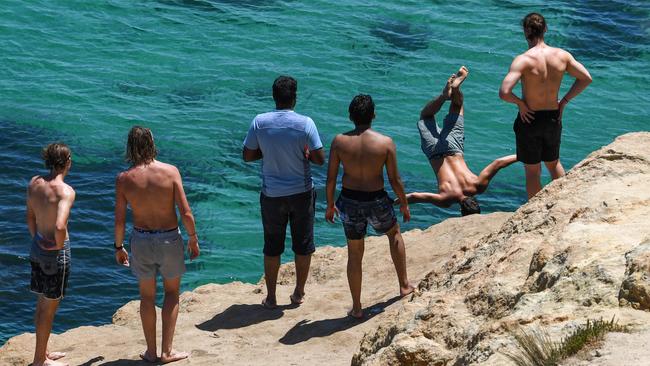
<point x="157" y="252"/>
<point x="438" y="143"/>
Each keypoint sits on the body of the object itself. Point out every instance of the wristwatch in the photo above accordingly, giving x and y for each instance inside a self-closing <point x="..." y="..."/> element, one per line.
<point x="116" y="247"/>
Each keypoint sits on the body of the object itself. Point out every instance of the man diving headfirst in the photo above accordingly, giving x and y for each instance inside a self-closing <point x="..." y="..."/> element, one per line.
<point x="444" y="148"/>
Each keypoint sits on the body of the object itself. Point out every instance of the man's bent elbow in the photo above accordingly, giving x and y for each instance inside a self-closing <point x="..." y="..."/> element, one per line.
<point x="187" y="215"/>
<point x="503" y="94"/>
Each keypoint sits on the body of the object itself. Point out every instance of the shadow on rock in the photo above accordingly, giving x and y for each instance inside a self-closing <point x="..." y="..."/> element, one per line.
<point x="242" y="315"/>
<point x="305" y="330"/>
<point x="125" y="362"/>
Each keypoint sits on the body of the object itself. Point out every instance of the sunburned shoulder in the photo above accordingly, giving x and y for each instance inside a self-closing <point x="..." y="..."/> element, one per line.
<point x="67" y="192"/>
<point x="166" y="166"/>
<point x="380" y="138"/>
<point x="524" y="60"/>
<point x="37" y="179"/>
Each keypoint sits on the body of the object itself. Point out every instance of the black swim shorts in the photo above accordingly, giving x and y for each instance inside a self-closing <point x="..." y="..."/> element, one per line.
<point x="539" y="140"/>
<point x="50" y="278"/>
<point x="298" y="211"/>
<point x="358" y="208"/>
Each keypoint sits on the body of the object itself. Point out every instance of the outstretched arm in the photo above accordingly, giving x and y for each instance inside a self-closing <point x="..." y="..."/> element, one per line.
<point x="426" y="197"/>
<point x="508" y="84"/>
<point x="492" y="169"/>
<point x="432" y="107"/>
<point x="396" y="181"/>
<point x="332" y="175"/>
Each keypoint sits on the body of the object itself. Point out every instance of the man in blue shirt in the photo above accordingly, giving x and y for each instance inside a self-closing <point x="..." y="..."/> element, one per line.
<point x="287" y="143"/>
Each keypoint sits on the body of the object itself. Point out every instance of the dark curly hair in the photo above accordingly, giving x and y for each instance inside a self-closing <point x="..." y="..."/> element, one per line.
<point x="362" y="109"/>
<point x="469" y="206"/>
<point x="140" y="148"/>
<point x="285" y="89"/>
<point x="56" y="156"/>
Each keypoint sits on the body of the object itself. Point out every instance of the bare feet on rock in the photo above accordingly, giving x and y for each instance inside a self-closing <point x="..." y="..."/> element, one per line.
<point x="173" y="356"/>
<point x="358" y="315"/>
<point x="148" y="357"/>
<point x="269" y="303"/>
<point x="403" y="291"/>
<point x="458" y="78"/>
<point x="50" y="362"/>
<point x="297" y="298"/>
<point x="55" y="355"/>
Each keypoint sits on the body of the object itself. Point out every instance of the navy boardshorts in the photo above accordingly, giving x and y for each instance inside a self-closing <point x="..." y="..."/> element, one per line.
<point x="359" y="208"/>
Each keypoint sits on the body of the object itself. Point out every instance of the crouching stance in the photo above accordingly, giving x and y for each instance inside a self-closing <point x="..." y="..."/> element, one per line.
<point x="49" y="200"/>
<point x="363" y="200"/>
<point x="444" y="148"/>
<point x="153" y="190"/>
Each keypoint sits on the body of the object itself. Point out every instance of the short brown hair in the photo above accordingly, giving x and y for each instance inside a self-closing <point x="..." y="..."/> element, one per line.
<point x="56" y="156"/>
<point x="140" y="148"/>
<point x="534" y="26"/>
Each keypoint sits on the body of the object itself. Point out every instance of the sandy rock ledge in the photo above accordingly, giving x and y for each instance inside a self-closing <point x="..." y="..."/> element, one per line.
<point x="578" y="250"/>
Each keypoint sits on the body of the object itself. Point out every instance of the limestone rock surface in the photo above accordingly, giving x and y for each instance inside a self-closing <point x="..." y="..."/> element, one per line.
<point x="578" y="250"/>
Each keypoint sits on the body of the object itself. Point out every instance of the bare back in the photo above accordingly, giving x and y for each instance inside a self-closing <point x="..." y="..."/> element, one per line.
<point x="48" y="201"/>
<point x="455" y="179"/>
<point x="150" y="191"/>
<point x="543" y="68"/>
<point x="363" y="155"/>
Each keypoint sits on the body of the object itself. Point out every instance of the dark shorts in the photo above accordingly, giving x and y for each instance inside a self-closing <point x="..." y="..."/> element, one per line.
<point x="539" y="140"/>
<point x="298" y="211"/>
<point x="50" y="271"/>
<point x="157" y="252"/>
<point x="358" y="208"/>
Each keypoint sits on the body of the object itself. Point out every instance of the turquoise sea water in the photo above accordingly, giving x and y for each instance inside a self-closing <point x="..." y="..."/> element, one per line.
<point x="197" y="72"/>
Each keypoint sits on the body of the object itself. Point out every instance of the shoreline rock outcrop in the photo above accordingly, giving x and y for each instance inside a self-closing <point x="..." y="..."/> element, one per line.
<point x="578" y="250"/>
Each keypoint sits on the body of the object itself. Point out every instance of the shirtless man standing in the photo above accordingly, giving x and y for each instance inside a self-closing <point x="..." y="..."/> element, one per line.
<point x="153" y="190"/>
<point x="364" y="153"/>
<point x="49" y="200"/>
<point x="538" y="126"/>
<point x="444" y="148"/>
